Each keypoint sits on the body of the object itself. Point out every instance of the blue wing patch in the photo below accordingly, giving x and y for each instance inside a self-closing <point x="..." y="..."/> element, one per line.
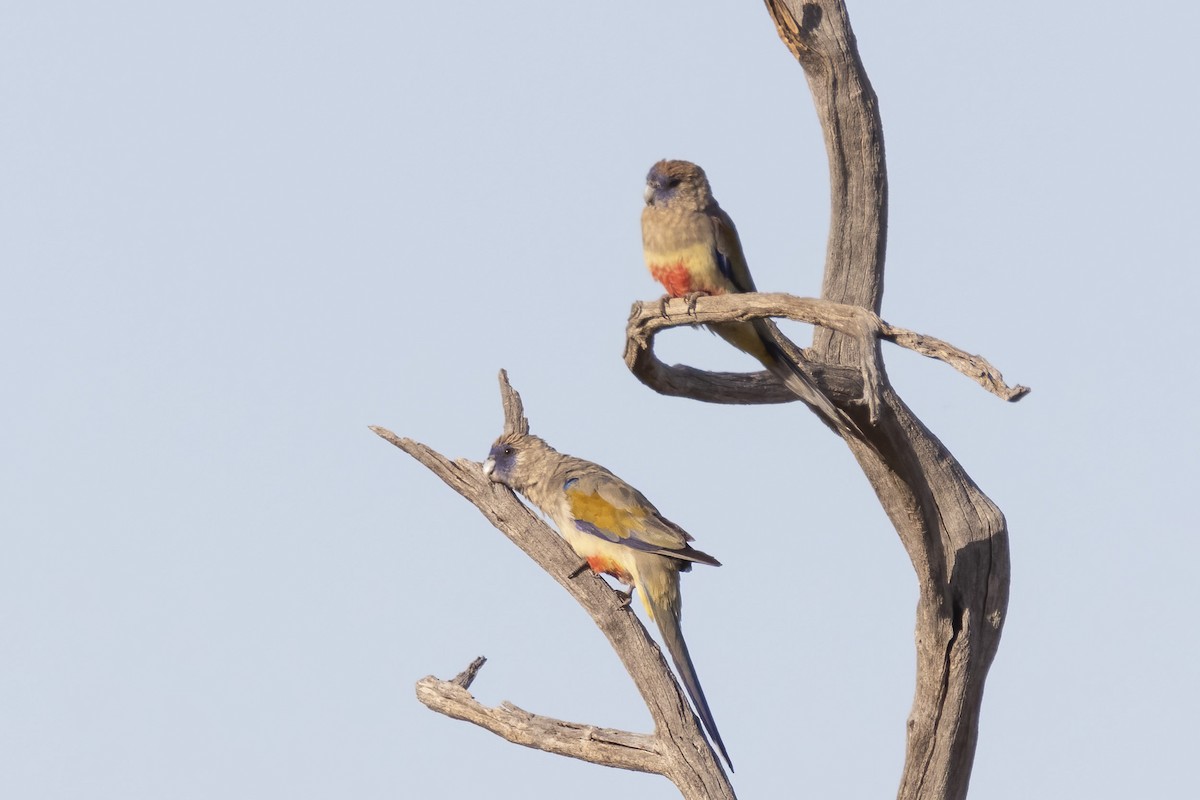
<point x="724" y="264"/>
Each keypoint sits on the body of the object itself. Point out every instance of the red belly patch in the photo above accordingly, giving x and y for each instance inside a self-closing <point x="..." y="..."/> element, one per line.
<point x="609" y="567"/>
<point x="675" y="278"/>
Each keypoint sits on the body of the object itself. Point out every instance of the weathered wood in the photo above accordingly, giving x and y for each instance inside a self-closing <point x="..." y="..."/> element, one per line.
<point x="648" y="319"/>
<point x="819" y="36"/>
<point x="613" y="748"/>
<point x="955" y="536"/>
<point x="678" y="749"/>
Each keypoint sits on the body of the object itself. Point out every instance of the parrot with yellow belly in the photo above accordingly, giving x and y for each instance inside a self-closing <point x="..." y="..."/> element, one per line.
<point x="617" y="531"/>
<point x="692" y="248"/>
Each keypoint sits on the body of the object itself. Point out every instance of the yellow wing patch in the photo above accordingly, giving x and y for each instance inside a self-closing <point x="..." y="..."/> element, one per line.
<point x="603" y="517"/>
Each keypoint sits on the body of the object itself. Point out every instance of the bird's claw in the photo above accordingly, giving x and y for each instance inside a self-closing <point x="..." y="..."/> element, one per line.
<point x="626" y="597"/>
<point x="691" y="298"/>
<point x="662" y="305"/>
<point x="582" y="568"/>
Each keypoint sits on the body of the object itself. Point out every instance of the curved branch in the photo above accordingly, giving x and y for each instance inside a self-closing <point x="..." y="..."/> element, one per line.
<point x="977" y="368"/>
<point x="647" y="319"/>
<point x="607" y="746"/>
<point x="818" y="34"/>
<point x="680" y="750"/>
<point x="956" y="538"/>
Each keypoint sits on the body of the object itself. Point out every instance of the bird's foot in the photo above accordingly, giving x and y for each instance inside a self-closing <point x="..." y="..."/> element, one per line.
<point x="662" y="305"/>
<point x="582" y="568"/>
<point x="626" y="597"/>
<point x="691" y="298"/>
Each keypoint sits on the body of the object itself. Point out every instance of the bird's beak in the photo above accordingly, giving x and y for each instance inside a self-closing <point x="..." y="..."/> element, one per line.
<point x="489" y="467"/>
<point x="648" y="193"/>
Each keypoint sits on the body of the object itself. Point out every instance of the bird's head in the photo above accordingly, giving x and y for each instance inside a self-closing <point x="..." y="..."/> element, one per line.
<point x="512" y="457"/>
<point x="678" y="184"/>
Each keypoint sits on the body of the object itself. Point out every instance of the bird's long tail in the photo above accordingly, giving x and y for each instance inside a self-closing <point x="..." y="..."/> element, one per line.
<point x="666" y="613"/>
<point x="759" y="338"/>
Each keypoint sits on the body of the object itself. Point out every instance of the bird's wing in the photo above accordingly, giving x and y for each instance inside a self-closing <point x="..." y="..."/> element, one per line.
<point x="605" y="506"/>
<point x="730" y="258"/>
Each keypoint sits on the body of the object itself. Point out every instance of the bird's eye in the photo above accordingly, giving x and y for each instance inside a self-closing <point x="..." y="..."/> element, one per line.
<point x="508" y="451"/>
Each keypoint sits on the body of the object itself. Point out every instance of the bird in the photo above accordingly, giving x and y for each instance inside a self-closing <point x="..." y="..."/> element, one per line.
<point x="692" y="248"/>
<point x="618" y="532"/>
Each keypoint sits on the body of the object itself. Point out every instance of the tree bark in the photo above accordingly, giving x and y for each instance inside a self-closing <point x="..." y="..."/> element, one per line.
<point x="647" y="319"/>
<point x="678" y="749"/>
<point x="956" y="538"/>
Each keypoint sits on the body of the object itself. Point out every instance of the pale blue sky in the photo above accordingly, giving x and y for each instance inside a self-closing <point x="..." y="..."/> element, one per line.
<point x="235" y="234"/>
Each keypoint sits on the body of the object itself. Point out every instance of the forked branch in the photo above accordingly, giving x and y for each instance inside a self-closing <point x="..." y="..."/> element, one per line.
<point x="956" y="538"/>
<point x="677" y="749"/>
<point x="613" y="748"/>
<point x="647" y="319"/>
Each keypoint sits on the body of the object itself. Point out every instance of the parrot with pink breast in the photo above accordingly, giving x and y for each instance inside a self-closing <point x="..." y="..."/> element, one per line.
<point x="692" y="248"/>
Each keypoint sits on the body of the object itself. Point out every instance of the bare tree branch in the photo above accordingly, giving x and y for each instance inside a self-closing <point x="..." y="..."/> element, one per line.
<point x="678" y="749"/>
<point x="647" y="319"/>
<point x="605" y="746"/>
<point x="977" y="368"/>
<point x="514" y="409"/>
<point x="465" y="678"/>
<point x="956" y="538"/>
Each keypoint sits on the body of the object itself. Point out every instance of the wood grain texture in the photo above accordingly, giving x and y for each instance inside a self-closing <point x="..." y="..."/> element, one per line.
<point x="613" y="748"/>
<point x="677" y="749"/>
<point x="956" y="538"/>
<point x="646" y="320"/>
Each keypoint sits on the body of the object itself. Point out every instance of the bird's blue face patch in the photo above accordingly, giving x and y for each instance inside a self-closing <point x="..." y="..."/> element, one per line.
<point x="505" y="458"/>
<point x="659" y="187"/>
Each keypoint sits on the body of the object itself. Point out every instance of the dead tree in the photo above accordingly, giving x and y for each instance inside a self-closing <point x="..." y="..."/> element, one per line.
<point x="955" y="536"/>
<point x="677" y="749"/>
